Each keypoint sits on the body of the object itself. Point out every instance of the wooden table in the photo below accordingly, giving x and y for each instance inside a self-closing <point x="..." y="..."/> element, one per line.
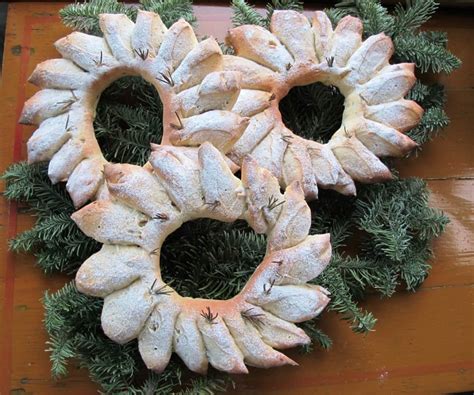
<point x="423" y="342"/>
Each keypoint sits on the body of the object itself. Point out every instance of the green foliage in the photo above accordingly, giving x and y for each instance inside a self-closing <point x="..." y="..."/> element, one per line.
<point x="294" y="5"/>
<point x="246" y="14"/>
<point x="171" y="10"/>
<point x="316" y="335"/>
<point x="313" y="111"/>
<point x="85" y="17"/>
<point x="129" y="118"/>
<point x="434" y="119"/>
<point x="399" y="226"/>
<point x="375" y="18"/>
<point x="412" y="16"/>
<point x="55" y="240"/>
<point x="233" y="251"/>
<point x="30" y="184"/>
<point x="427" y="54"/>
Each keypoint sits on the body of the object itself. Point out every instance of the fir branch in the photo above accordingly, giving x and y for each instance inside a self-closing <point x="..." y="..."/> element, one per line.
<point x="427" y="55"/>
<point x="232" y="254"/>
<point x="412" y="16"/>
<point x="427" y="95"/>
<point x="30" y="184"/>
<point x="418" y="92"/>
<point x="375" y="18"/>
<point x="171" y="10"/>
<point x="313" y="111"/>
<point x="316" y="335"/>
<point x="438" y="38"/>
<point x="434" y="119"/>
<point x="400" y="226"/>
<point x="342" y="301"/>
<point x="336" y="14"/>
<point x="294" y="5"/>
<point x="245" y="14"/>
<point x="85" y="17"/>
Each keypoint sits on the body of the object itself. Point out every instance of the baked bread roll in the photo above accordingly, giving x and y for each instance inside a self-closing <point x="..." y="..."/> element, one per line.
<point x="145" y="205"/>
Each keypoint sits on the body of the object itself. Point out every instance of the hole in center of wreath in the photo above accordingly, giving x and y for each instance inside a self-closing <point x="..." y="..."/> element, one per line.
<point x="211" y="259"/>
<point x="129" y="118"/>
<point x="313" y="111"/>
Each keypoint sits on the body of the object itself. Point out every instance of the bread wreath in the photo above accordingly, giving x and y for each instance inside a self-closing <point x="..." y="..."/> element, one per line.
<point x="230" y="101"/>
<point x="145" y="205"/>
<point x="296" y="52"/>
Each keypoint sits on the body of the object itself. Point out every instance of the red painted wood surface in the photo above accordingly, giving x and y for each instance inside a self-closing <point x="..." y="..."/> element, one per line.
<point x="423" y="342"/>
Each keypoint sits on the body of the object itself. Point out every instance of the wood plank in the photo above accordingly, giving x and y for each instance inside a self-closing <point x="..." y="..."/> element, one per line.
<point x="403" y="350"/>
<point x="454" y="252"/>
<point x="450" y="155"/>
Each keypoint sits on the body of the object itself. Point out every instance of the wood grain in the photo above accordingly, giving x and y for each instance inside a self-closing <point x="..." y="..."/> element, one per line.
<point x="423" y="342"/>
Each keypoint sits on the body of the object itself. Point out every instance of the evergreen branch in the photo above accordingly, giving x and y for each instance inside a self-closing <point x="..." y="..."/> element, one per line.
<point x="313" y="111"/>
<point x="400" y="226"/>
<point x="30" y="184"/>
<point x="434" y="119"/>
<point x="223" y="271"/>
<point x="418" y="93"/>
<point x="85" y="17"/>
<point x="294" y="5"/>
<point x="342" y="301"/>
<point x="316" y="335"/>
<point x="412" y="16"/>
<point x="336" y="14"/>
<point x="375" y="18"/>
<point x="245" y="14"/>
<point x="437" y="38"/>
<point x="171" y="10"/>
<point x="427" y="96"/>
<point x="427" y="55"/>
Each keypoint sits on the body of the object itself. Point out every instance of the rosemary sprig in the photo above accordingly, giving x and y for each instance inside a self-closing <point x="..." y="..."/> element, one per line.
<point x="143" y="54"/>
<point x="213" y="205"/>
<point x="330" y="61"/>
<point x="161" y="217"/>
<point x="67" y="104"/>
<point x="166" y="78"/>
<point x="160" y="291"/>
<point x="180" y="126"/>
<point x="266" y="290"/>
<point x="210" y="318"/>
<point x="287" y="139"/>
<point x="256" y="319"/>
<point x="274" y="203"/>
<point x="100" y="62"/>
